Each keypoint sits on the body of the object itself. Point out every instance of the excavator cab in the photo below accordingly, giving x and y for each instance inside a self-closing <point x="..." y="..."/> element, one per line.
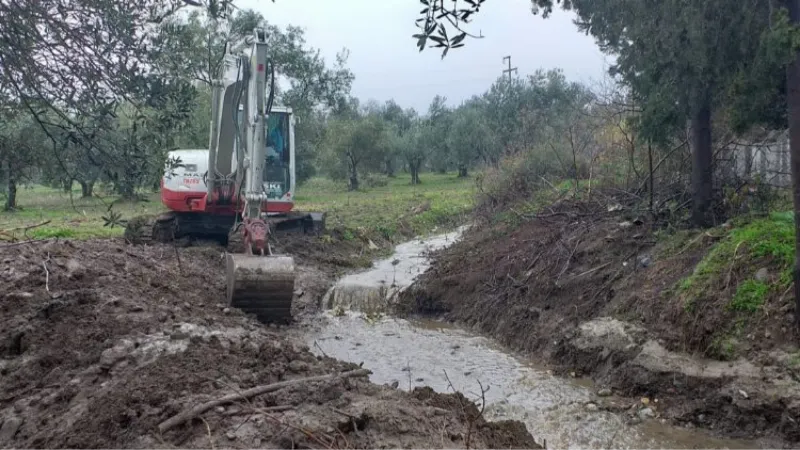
<point x="277" y="171"/>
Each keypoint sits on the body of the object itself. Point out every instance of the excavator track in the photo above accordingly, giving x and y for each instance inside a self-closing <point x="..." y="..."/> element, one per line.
<point x="151" y="229"/>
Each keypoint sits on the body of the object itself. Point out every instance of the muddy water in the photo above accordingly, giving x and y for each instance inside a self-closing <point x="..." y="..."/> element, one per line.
<point x="424" y="353"/>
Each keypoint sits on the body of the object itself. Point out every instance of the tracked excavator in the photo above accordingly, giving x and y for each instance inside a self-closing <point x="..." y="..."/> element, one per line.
<point x="240" y="189"/>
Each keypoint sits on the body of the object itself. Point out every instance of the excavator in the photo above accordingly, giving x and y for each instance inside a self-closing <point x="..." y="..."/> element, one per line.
<point x="239" y="190"/>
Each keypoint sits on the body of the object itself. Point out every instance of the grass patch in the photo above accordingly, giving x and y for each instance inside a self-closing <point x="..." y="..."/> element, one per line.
<point x="749" y="296"/>
<point x="397" y="209"/>
<point x="748" y="244"/>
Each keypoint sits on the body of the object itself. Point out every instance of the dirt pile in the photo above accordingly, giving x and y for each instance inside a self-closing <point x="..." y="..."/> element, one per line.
<point x="590" y="286"/>
<point x="101" y="342"/>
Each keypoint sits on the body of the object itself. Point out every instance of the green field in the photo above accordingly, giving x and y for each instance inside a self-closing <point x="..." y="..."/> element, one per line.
<point x="397" y="209"/>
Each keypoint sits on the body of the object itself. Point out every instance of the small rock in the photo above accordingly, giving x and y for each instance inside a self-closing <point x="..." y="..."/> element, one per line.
<point x="743" y="394"/>
<point x="226" y="311"/>
<point x="136" y="308"/>
<point x="112" y="355"/>
<point x="645" y="401"/>
<point x="467" y="373"/>
<point x="395" y="384"/>
<point x="605" y="392"/>
<point x="646" y="413"/>
<point x="220" y="409"/>
<point x="643" y="261"/>
<point x="372" y="245"/>
<point x="767" y="335"/>
<point x="230" y="435"/>
<point x="591" y="407"/>
<point x="299" y="292"/>
<point x="455" y="347"/>
<point x="625" y="224"/>
<point x="186" y="305"/>
<point x="178" y="336"/>
<point x="762" y="274"/>
<point x="9" y="429"/>
<point x="701" y="418"/>
<point x="298" y="366"/>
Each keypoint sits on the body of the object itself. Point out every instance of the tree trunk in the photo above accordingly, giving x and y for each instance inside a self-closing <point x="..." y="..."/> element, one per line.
<point x="389" y="168"/>
<point x="353" y="178"/>
<point x="414" y="173"/>
<point x="462" y="170"/>
<point x="87" y="187"/>
<point x="127" y="189"/>
<point x="66" y="185"/>
<point x="11" y="192"/>
<point x="650" y="170"/>
<point x="702" y="160"/>
<point x="793" y="100"/>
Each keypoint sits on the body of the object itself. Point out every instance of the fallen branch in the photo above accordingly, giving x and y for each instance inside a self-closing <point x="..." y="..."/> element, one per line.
<point x="24" y="230"/>
<point x="46" y="274"/>
<point x="31" y="241"/>
<point x="252" y="392"/>
<point x="277" y="408"/>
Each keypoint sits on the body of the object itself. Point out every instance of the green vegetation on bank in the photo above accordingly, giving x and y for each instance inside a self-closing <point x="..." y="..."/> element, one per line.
<point x="395" y="210"/>
<point x="749" y="245"/>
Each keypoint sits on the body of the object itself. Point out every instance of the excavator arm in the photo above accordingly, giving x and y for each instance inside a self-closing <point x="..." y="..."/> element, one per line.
<point x="258" y="281"/>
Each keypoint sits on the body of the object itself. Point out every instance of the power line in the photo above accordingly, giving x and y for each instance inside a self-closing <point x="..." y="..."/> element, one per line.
<point x="510" y="69"/>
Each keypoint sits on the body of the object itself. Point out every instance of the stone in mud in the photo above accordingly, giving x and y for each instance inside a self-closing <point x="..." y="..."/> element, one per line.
<point x="607" y="333"/>
<point x="762" y="274"/>
<point x="9" y="429"/>
<point x="605" y="392"/>
<point x="656" y="359"/>
<point x="591" y="407"/>
<point x="646" y="413"/>
<point x="298" y="366"/>
<point x="113" y="355"/>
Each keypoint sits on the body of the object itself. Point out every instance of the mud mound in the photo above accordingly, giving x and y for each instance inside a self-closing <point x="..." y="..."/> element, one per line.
<point x="524" y="284"/>
<point x="537" y="284"/>
<point x="101" y="342"/>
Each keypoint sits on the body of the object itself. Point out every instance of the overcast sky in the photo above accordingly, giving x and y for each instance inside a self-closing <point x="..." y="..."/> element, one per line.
<point x="387" y="64"/>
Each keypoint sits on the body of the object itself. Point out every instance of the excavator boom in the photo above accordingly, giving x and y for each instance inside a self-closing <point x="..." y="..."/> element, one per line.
<point x="258" y="281"/>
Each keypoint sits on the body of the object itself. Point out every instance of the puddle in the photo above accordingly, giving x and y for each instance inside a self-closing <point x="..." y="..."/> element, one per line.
<point x="446" y="357"/>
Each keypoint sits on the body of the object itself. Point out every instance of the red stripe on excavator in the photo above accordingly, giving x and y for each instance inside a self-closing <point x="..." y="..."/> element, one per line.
<point x="196" y="202"/>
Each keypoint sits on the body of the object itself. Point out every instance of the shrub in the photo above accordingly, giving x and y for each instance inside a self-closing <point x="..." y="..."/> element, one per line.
<point x="373" y="180"/>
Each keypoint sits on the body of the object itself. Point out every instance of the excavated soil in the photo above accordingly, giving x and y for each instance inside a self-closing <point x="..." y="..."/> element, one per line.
<point x="100" y="342"/>
<point x="586" y="287"/>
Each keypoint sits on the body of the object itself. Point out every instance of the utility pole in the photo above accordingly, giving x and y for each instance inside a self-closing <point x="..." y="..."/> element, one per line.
<point x="510" y="69"/>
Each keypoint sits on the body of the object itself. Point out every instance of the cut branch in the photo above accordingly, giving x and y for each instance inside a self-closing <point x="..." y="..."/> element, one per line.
<point x="248" y="393"/>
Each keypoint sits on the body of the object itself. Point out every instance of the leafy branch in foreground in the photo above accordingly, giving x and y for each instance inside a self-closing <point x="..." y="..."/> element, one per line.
<point x="437" y="18"/>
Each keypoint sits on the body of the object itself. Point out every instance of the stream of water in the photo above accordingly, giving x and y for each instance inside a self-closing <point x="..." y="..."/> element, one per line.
<point x="406" y="353"/>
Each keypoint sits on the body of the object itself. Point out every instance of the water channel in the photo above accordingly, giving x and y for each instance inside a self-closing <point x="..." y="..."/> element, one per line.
<point x="442" y="356"/>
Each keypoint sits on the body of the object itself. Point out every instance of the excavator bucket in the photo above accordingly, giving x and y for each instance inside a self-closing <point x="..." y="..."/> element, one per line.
<point x="261" y="285"/>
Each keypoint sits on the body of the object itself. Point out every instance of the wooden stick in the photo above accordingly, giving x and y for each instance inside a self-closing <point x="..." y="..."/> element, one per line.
<point x="252" y="392"/>
<point x="32" y="241"/>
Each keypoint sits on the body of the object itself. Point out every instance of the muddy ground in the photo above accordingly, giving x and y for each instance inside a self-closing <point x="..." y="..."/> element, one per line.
<point x="588" y="287"/>
<point x="100" y="342"/>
